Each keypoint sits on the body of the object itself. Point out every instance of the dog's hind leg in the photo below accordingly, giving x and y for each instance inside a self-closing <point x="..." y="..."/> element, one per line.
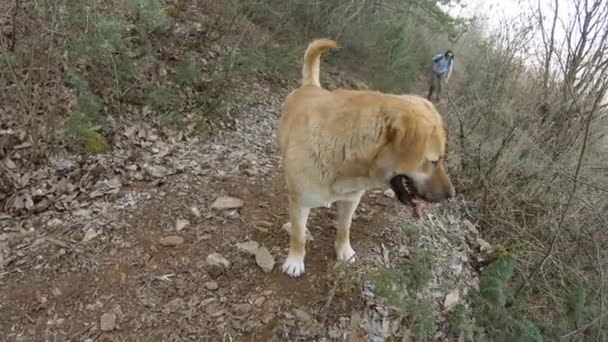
<point x="294" y="264"/>
<point x="346" y="210"/>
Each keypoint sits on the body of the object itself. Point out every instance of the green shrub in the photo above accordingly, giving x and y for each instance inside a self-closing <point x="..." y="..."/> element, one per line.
<point x="164" y="99"/>
<point x="106" y="36"/>
<point x="188" y="69"/>
<point x="460" y="321"/>
<point x="152" y="15"/>
<point x="423" y="319"/>
<point x="495" y="308"/>
<point x="403" y="288"/>
<point x="78" y="81"/>
<point x="576" y="306"/>
<point x="524" y="331"/>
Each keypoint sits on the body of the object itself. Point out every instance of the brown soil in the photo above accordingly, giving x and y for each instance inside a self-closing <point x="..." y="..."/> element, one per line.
<point x="159" y="293"/>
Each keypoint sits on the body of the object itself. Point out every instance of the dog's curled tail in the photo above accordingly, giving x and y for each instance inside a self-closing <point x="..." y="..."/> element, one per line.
<point x="312" y="60"/>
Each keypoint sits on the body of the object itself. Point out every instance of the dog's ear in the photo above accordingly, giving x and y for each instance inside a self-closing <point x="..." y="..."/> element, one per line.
<point x="409" y="136"/>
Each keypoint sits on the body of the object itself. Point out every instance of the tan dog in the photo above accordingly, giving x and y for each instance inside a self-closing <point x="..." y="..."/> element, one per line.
<point x="335" y="145"/>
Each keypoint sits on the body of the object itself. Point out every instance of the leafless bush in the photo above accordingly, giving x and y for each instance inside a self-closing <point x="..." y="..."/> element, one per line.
<point x="529" y="137"/>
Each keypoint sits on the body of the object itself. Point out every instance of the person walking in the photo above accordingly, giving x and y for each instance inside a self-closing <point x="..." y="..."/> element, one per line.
<point x="441" y="71"/>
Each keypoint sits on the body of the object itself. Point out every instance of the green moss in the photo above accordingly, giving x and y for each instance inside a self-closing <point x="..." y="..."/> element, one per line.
<point x="93" y="142"/>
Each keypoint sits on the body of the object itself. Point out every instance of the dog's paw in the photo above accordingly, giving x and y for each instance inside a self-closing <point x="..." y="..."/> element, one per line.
<point x="345" y="253"/>
<point x="294" y="266"/>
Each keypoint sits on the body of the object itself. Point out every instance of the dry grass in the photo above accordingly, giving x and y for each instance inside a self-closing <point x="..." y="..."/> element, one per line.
<point x="532" y="161"/>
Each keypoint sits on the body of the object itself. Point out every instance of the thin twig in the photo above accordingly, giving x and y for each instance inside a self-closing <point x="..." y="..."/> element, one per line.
<point x="238" y="43"/>
<point x="585" y="327"/>
<point x="14" y="28"/>
<point x="332" y="294"/>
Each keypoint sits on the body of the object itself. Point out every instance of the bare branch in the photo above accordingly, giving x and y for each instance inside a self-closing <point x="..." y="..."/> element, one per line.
<point x="14" y="26"/>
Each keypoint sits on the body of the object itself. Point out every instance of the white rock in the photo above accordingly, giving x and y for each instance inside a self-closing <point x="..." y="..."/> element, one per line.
<point x="451" y="299"/>
<point x="156" y="171"/>
<point x="171" y="241"/>
<point x="389" y="193"/>
<point x="54" y="223"/>
<point x="195" y="211"/>
<point x="227" y="202"/>
<point x="181" y="224"/>
<point x="107" y="322"/>
<point x="216" y="259"/>
<point x="232" y="214"/>
<point x="90" y="234"/>
<point x="484" y="246"/>
<point x="264" y="259"/>
<point x="249" y="247"/>
<point x="212" y="285"/>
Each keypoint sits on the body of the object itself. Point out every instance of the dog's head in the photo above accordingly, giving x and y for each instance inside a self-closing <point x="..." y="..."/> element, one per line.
<point x="415" y="152"/>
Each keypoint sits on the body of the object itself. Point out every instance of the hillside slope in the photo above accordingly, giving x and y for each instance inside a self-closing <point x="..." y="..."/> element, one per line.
<point x="124" y="253"/>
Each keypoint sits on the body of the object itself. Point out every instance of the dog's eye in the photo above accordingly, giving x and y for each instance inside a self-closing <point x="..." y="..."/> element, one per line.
<point x="435" y="162"/>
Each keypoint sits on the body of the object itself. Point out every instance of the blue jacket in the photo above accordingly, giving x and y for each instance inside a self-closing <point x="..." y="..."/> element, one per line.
<point x="441" y="64"/>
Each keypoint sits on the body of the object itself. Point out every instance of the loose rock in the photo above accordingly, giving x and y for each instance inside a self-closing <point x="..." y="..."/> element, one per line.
<point x="259" y="301"/>
<point x="263" y="224"/>
<point x="241" y="309"/>
<point x="212" y="285"/>
<point x="484" y="246"/>
<point x="195" y="212"/>
<point x="303" y="316"/>
<point x="267" y="318"/>
<point x="156" y="171"/>
<point x="451" y="299"/>
<point x="264" y="259"/>
<point x="107" y="322"/>
<point x="389" y="193"/>
<point x="56" y="292"/>
<point x="216" y="259"/>
<point x="249" y="247"/>
<point x="173" y="305"/>
<point x="54" y="223"/>
<point x="171" y="241"/>
<point x="226" y="202"/>
<point x="232" y="214"/>
<point x="181" y="224"/>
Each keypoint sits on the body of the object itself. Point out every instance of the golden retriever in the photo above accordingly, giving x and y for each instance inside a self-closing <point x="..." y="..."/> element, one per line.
<point x="334" y="145"/>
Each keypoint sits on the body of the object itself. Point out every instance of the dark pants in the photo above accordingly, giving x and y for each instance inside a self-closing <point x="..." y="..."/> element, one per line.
<point x="436" y="84"/>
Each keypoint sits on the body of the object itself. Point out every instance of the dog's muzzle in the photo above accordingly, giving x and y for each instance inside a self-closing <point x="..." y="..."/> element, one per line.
<point x="404" y="189"/>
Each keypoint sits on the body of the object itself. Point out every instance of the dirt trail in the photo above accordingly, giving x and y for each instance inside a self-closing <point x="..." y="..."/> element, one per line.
<point x="103" y="270"/>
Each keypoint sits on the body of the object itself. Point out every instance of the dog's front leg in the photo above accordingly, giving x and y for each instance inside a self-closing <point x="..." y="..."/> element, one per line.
<point x="294" y="264"/>
<point x="346" y="209"/>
